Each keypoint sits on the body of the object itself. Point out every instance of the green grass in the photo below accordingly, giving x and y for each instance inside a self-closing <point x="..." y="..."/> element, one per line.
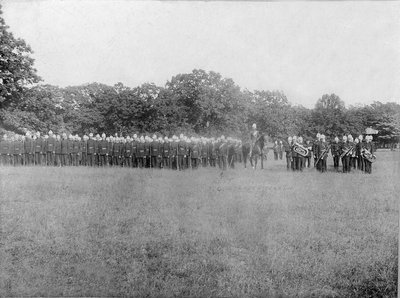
<point x="129" y="232"/>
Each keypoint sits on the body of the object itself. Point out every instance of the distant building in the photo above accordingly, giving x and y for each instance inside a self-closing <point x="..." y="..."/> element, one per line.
<point x="371" y="131"/>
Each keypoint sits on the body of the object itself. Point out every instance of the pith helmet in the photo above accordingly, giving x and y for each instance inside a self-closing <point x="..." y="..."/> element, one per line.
<point x="254" y="126"/>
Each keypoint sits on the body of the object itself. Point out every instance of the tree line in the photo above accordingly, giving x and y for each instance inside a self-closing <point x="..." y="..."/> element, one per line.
<point x="199" y="102"/>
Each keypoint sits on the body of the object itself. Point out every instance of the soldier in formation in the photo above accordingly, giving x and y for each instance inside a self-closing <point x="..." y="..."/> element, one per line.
<point x="135" y="151"/>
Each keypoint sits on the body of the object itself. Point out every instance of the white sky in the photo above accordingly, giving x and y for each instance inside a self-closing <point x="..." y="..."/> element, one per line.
<point x="305" y="49"/>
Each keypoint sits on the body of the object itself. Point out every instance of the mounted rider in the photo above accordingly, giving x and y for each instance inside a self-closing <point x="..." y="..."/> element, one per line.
<point x="254" y="135"/>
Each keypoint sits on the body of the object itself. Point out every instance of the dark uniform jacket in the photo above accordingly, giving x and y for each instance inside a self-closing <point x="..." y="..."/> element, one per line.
<point x="335" y="149"/>
<point x="5" y="147"/>
<point x="38" y="145"/>
<point x="51" y="142"/>
<point x="103" y="147"/>
<point x="140" y="149"/>
<point x="64" y="146"/>
<point x="91" y="146"/>
<point x="57" y="147"/>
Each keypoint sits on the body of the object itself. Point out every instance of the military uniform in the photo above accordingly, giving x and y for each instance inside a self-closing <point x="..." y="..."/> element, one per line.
<point x="5" y="145"/>
<point x="335" y="151"/>
<point x="367" y="164"/>
<point x="51" y="143"/>
<point x="57" y="149"/>
<point x="91" y="153"/>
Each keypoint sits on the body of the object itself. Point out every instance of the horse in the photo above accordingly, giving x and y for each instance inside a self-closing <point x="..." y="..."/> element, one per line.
<point x="254" y="152"/>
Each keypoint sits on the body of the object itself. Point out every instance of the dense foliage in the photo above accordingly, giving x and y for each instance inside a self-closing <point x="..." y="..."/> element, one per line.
<point x="197" y="102"/>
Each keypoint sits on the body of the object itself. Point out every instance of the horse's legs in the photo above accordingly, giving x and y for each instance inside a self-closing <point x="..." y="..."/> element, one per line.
<point x="255" y="162"/>
<point x="262" y="161"/>
<point x="251" y="161"/>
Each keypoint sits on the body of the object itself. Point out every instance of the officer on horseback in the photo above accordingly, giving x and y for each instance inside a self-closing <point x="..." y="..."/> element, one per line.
<point x="253" y="138"/>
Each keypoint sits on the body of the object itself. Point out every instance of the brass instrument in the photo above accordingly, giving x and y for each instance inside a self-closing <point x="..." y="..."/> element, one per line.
<point x="323" y="154"/>
<point x="347" y="152"/>
<point x="368" y="155"/>
<point x="298" y="148"/>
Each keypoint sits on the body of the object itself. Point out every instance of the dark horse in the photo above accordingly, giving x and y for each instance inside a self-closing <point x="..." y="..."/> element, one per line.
<point x="258" y="151"/>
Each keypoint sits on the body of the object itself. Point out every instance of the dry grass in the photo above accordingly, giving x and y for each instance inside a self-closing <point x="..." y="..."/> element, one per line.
<point x="128" y="232"/>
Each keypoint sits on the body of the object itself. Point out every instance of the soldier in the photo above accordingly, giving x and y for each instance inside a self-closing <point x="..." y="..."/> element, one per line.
<point x="323" y="154"/>
<point x="315" y="148"/>
<point x="5" y="150"/>
<point x="213" y="145"/>
<point x="344" y="149"/>
<point x="103" y="150"/>
<point x="116" y="153"/>
<point x="351" y="143"/>
<point x="253" y="137"/>
<point x="18" y="150"/>
<point x="166" y="158"/>
<point x="223" y="153"/>
<point x="57" y="150"/>
<point x="37" y="141"/>
<point x="354" y="155"/>
<point x="153" y="150"/>
<point x="295" y="155"/>
<point x="147" y="156"/>
<point x="335" y="151"/>
<point x="308" y="157"/>
<point x="231" y="153"/>
<point x="50" y="146"/>
<point x="83" y="150"/>
<point x="140" y="157"/>
<point x="276" y="150"/>
<point x="181" y="152"/>
<point x="135" y="143"/>
<point x="70" y="148"/>
<point x="300" y="158"/>
<point x="28" y="145"/>
<point x="75" y="150"/>
<point x="369" y="148"/>
<point x="44" y="150"/>
<point x="280" y="150"/>
<point x="360" y="159"/>
<point x="174" y="149"/>
<point x="64" y="150"/>
<point x="91" y="153"/>
<point x="288" y="151"/>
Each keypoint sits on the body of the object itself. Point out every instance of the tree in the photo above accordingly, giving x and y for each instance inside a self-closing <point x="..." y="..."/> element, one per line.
<point x="16" y="66"/>
<point x="328" y="117"/>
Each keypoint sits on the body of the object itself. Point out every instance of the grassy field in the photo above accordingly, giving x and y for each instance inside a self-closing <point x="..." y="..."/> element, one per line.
<point x="128" y="232"/>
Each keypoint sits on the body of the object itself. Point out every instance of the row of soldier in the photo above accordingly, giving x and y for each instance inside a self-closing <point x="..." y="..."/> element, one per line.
<point x="353" y="153"/>
<point x="152" y="152"/>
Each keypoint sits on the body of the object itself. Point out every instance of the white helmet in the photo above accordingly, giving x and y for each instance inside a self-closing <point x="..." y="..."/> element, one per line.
<point x="254" y="126"/>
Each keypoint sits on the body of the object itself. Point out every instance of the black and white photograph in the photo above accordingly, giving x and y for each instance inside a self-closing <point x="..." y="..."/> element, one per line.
<point x="199" y="148"/>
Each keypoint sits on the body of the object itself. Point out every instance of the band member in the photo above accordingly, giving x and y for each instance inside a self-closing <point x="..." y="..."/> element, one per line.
<point x="300" y="158"/>
<point x="57" y="150"/>
<point x="276" y="150"/>
<point x="315" y="148"/>
<point x="368" y="149"/>
<point x="280" y="149"/>
<point x="295" y="155"/>
<point x="288" y="151"/>
<point x="308" y="157"/>
<point x="335" y="151"/>
<point x="323" y="150"/>
<point x="344" y="153"/>
<point x="360" y="159"/>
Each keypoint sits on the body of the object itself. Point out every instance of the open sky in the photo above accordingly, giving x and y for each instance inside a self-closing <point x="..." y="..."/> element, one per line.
<point x="305" y="49"/>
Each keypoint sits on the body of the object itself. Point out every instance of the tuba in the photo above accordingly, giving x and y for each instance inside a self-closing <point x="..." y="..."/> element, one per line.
<point x="368" y="155"/>
<point x="298" y="148"/>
